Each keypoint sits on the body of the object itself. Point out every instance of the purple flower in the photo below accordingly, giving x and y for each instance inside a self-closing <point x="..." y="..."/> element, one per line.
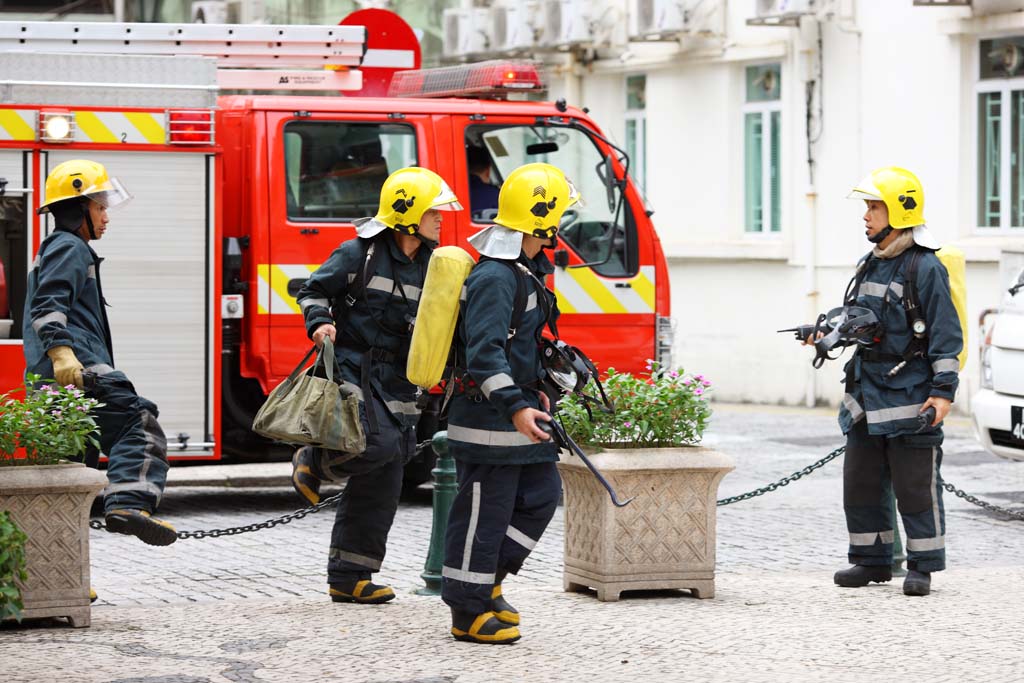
<point x="707" y="383"/>
<point x="687" y="381"/>
<point x="699" y="378"/>
<point x="57" y="413"/>
<point x="45" y="387"/>
<point x="627" y="424"/>
<point x="698" y="391"/>
<point x="82" y="408"/>
<point x="69" y="386"/>
<point x="673" y="374"/>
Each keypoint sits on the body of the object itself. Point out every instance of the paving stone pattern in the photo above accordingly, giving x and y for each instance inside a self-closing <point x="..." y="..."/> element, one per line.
<point x="253" y="607"/>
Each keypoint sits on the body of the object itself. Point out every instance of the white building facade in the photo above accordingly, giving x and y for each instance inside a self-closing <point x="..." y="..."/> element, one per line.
<point x="747" y="139"/>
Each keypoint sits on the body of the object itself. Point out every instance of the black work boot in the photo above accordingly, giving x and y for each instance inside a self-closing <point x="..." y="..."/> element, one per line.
<point x="141" y="524"/>
<point x="917" y="583"/>
<point x="482" y="628"/>
<point x="304" y="479"/>
<point x="859" y="576"/>
<point x="363" y="591"/>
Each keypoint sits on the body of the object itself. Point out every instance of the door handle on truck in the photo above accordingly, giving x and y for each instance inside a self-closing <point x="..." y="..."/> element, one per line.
<point x="309" y="231"/>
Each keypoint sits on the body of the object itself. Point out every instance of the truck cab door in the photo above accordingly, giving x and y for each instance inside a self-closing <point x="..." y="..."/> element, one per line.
<point x="605" y="260"/>
<point x="326" y="171"/>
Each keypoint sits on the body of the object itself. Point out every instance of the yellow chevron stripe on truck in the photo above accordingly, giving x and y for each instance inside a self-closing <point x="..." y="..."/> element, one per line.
<point x="579" y="290"/>
<point x="115" y="127"/>
<point x="18" y="124"/>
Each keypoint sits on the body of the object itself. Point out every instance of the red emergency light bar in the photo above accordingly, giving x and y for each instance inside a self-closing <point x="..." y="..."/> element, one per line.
<point x="493" y="79"/>
<point x="190" y="127"/>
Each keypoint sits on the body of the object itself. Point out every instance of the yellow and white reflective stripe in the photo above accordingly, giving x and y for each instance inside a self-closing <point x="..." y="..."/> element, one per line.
<point x="136" y="127"/>
<point x="580" y="290"/>
<point x="272" y="286"/>
<point x="18" y="124"/>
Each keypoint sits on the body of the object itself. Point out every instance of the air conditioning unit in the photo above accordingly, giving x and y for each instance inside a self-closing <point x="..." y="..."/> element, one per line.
<point x="781" y="12"/>
<point x="656" y="19"/>
<point x="566" y="23"/>
<point x="467" y="31"/>
<point x="512" y="27"/>
<point x="209" y="12"/>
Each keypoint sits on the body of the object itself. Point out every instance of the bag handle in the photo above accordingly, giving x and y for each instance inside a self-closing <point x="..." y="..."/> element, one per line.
<point x="327" y="357"/>
<point x="324" y="354"/>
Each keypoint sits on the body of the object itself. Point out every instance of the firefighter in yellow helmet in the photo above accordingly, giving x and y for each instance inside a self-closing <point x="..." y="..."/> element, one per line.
<point x="893" y="440"/>
<point x="67" y="337"/>
<point x="364" y="298"/>
<point x="508" y="484"/>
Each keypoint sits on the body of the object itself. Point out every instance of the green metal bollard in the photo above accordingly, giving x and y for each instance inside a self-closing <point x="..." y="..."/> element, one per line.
<point x="445" y="487"/>
<point x="898" y="556"/>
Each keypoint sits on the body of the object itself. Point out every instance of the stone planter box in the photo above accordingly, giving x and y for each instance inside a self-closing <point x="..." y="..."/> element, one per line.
<point x="50" y="503"/>
<point x="664" y="539"/>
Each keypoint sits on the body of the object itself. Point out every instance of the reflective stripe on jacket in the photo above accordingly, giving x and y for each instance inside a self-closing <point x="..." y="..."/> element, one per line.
<point x="891" y="404"/>
<point x="64" y="306"/>
<point x="480" y="430"/>
<point x="379" y="319"/>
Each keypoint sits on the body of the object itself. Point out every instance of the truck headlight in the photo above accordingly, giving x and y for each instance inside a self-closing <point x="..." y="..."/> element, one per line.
<point x="986" y="367"/>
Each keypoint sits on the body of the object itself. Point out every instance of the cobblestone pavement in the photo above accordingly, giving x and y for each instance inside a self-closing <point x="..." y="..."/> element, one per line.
<point x="252" y="607"/>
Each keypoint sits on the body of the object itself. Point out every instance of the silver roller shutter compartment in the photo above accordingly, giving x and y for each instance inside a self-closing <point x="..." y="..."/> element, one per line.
<point x="155" y="281"/>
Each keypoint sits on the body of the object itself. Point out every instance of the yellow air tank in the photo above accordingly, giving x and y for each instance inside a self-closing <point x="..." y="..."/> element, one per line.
<point x="437" y="315"/>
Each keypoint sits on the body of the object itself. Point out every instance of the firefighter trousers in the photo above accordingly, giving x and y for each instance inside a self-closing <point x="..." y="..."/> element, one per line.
<point x="498" y="515"/>
<point x="369" y="501"/>
<point x="133" y="441"/>
<point x="876" y="467"/>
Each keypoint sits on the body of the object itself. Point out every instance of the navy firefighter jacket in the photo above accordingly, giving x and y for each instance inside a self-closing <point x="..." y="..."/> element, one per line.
<point x="64" y="306"/>
<point x="480" y="428"/>
<point x="891" y="404"/>
<point x="374" y="333"/>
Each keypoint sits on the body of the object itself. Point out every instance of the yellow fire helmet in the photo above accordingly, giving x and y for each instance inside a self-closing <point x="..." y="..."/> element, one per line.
<point x="533" y="199"/>
<point x="899" y="189"/>
<point x="83" y="178"/>
<point x="406" y="195"/>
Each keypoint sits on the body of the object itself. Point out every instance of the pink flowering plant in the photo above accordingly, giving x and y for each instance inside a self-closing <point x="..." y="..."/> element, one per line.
<point x="659" y="408"/>
<point x="50" y="422"/>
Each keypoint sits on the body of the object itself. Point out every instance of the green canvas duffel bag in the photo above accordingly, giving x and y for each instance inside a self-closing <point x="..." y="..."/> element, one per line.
<point x="310" y="410"/>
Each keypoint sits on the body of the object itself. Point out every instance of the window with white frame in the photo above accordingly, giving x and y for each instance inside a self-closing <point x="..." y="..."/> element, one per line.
<point x="636" y="128"/>
<point x="1001" y="134"/>
<point x="762" y="133"/>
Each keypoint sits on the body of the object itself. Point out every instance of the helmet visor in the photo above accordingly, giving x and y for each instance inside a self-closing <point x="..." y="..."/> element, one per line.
<point x="446" y="200"/>
<point x="108" y="194"/>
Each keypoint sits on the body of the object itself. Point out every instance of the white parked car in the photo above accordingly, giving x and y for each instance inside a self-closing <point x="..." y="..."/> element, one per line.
<point x="999" y="406"/>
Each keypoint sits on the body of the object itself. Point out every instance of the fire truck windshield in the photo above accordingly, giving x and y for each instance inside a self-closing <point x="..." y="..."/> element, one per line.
<point x="602" y="230"/>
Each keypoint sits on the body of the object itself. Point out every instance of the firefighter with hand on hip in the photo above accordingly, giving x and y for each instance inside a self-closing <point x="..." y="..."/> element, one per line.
<point x="909" y="368"/>
<point x="67" y="337"/>
<point x="508" y="485"/>
<point x="364" y="298"/>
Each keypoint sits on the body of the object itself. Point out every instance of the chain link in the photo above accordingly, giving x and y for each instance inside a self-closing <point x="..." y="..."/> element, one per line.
<point x="785" y="480"/>
<point x="1012" y="514"/>
<point x="235" y="530"/>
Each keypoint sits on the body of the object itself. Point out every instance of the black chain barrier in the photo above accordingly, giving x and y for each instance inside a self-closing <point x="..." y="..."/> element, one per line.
<point x="785" y="480"/>
<point x="800" y="474"/>
<point x="959" y="493"/>
<point x="235" y="530"/>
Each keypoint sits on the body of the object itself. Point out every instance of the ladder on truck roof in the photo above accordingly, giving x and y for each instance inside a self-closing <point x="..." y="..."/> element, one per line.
<point x="249" y="57"/>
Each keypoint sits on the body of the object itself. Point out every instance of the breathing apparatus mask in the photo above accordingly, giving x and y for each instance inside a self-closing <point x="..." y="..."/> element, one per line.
<point x="840" y="327"/>
<point x="567" y="370"/>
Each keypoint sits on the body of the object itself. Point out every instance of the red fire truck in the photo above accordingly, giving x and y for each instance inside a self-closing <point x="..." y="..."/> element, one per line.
<point x="238" y="197"/>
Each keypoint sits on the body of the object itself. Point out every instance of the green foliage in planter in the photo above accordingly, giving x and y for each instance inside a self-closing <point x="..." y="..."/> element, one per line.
<point x="50" y="422"/>
<point x="12" y="567"/>
<point x="659" y="409"/>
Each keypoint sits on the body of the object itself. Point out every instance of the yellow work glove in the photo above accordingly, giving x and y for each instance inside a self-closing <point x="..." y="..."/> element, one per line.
<point x="66" y="367"/>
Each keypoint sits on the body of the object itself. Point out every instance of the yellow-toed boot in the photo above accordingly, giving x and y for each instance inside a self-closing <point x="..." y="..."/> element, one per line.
<point x="504" y="612"/>
<point x="482" y="628"/>
<point x="363" y="591"/>
<point x="142" y="525"/>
